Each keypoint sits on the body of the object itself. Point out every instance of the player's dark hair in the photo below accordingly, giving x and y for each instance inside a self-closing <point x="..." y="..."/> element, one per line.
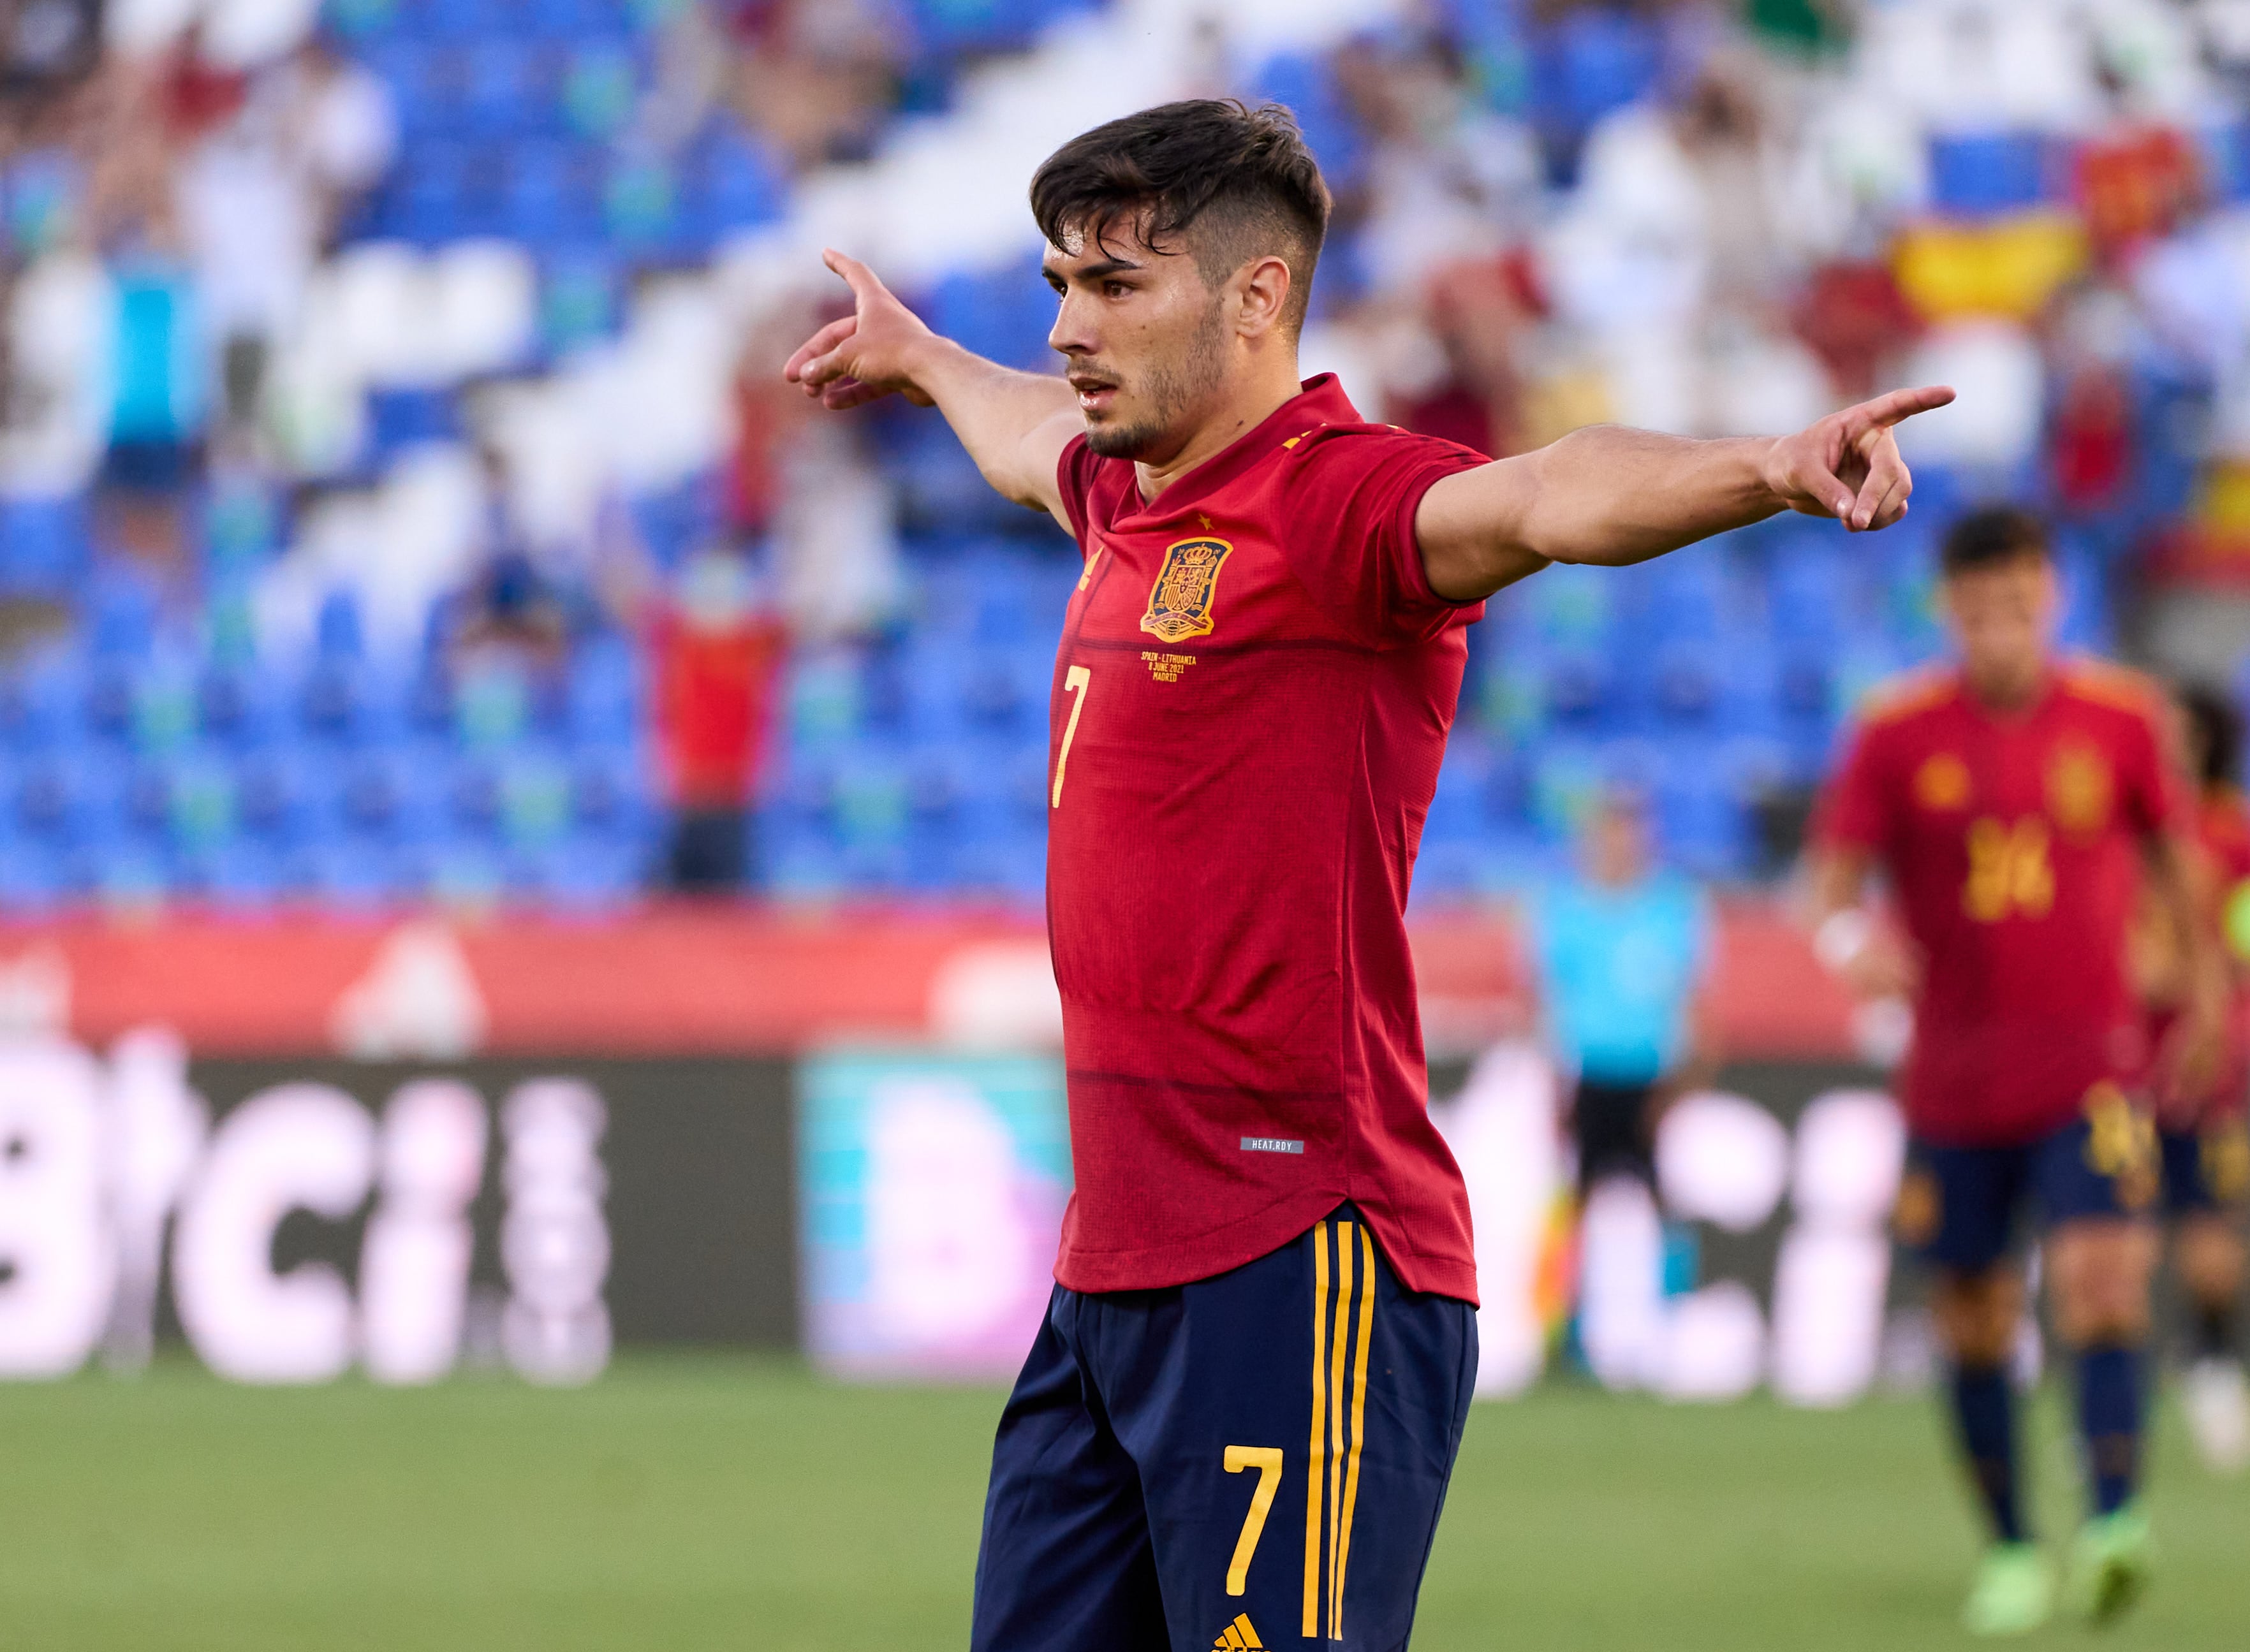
<point x="1233" y="182"/>
<point x="2214" y="731"/>
<point x="1994" y="534"/>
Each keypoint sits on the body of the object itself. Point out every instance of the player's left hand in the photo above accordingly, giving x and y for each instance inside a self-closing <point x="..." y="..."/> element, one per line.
<point x="2188" y="1064"/>
<point x="1847" y="465"/>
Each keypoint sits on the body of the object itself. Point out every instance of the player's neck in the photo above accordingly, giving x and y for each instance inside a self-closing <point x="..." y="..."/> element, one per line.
<point x="1248" y="402"/>
<point x="2009" y="692"/>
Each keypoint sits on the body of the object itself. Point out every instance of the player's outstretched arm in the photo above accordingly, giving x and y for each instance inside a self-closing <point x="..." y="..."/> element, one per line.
<point x="1611" y="496"/>
<point x="1015" y="425"/>
<point x="1849" y="941"/>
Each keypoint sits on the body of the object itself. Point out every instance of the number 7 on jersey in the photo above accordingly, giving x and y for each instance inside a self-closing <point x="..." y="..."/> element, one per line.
<point x="1075" y="681"/>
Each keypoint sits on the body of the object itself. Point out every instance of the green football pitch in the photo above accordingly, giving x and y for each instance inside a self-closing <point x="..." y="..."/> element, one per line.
<point x="687" y="1503"/>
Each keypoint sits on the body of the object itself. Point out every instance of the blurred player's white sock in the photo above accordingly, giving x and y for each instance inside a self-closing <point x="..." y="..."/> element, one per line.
<point x="2217" y="1398"/>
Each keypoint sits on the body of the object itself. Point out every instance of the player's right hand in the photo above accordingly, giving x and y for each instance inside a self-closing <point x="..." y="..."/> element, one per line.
<point x="867" y="355"/>
<point x="1885" y="967"/>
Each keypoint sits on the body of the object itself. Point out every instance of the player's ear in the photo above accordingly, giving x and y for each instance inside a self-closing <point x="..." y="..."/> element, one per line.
<point x="1260" y="291"/>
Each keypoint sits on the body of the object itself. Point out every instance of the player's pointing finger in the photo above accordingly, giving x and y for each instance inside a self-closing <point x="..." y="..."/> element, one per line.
<point x="1896" y="405"/>
<point x="856" y="276"/>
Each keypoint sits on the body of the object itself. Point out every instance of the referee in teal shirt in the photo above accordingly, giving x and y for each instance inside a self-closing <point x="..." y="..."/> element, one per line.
<point x="1620" y="949"/>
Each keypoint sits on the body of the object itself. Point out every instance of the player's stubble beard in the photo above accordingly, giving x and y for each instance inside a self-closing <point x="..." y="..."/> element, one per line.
<point x="1176" y="383"/>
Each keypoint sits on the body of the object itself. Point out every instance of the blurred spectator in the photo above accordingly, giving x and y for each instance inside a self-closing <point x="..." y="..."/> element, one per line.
<point x="816" y="76"/>
<point x="714" y="647"/>
<point x="336" y="124"/>
<point x="511" y="616"/>
<point x="158" y="400"/>
<point x="835" y="536"/>
<point x="259" y="197"/>
<point x="46" y="47"/>
<point x="1621" y="949"/>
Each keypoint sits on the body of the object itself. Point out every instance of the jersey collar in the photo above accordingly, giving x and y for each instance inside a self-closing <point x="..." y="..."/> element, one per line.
<point x="1319" y="400"/>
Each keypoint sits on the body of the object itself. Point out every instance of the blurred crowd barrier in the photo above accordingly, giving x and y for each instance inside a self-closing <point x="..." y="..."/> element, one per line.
<point x="409" y="1150"/>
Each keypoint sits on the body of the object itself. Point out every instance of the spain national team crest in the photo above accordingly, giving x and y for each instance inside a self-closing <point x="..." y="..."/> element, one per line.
<point x="1942" y="784"/>
<point x="1187" y="585"/>
<point x="2078" y="789"/>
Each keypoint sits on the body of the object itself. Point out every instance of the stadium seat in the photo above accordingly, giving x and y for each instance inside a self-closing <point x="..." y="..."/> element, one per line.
<point x="550" y="196"/>
<point x="1974" y="175"/>
<point x="45" y="544"/>
<point x="729" y="181"/>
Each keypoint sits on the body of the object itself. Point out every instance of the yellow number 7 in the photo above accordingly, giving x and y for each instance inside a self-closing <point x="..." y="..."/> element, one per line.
<point x="1074" y="681"/>
<point x="1267" y="1460"/>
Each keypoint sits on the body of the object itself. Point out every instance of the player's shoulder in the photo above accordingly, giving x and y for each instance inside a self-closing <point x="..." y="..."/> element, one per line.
<point x="2100" y="682"/>
<point x="1333" y="436"/>
<point x="1899" y="702"/>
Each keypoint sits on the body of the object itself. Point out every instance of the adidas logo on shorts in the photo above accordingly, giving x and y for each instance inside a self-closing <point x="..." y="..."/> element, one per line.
<point x="1238" y="1636"/>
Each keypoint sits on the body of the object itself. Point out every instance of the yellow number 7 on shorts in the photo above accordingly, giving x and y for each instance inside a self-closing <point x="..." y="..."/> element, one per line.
<point x="1267" y="1460"/>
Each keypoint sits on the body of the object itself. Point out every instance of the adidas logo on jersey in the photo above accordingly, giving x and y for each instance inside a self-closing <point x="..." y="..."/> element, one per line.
<point x="1238" y="1636"/>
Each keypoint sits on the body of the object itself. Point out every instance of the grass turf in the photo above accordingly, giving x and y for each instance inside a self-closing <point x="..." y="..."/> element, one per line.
<point x="693" y="1503"/>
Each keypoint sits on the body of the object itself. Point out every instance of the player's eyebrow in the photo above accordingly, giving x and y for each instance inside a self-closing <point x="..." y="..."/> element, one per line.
<point x="1101" y="271"/>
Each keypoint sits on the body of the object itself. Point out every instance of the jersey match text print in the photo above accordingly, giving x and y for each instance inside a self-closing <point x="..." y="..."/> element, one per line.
<point x="1074" y="681"/>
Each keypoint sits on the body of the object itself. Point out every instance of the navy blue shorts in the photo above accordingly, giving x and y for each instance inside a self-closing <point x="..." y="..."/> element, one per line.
<point x="1959" y="1206"/>
<point x="2208" y="1169"/>
<point x="1239" y="1463"/>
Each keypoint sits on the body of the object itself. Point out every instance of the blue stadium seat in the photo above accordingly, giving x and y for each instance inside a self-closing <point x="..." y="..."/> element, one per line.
<point x="236" y="877"/>
<point x="1981" y="174"/>
<point x="1305" y="85"/>
<point x="506" y="89"/>
<point x="599" y="86"/>
<point x="580" y="290"/>
<point x="550" y="195"/>
<point x="1003" y="314"/>
<point x="42" y="699"/>
<point x="33" y="878"/>
<point x="400" y="418"/>
<point x="1589" y="61"/>
<point x="440" y="193"/>
<point x="45" y="545"/>
<point x="729" y="181"/>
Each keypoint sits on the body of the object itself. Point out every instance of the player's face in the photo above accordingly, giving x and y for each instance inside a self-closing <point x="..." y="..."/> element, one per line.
<point x="1617" y="846"/>
<point x="1144" y="339"/>
<point x="2003" y="618"/>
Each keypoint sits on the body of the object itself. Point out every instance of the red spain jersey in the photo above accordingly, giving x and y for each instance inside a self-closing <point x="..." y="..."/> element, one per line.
<point x="2012" y="845"/>
<point x="1250" y="705"/>
<point x="2223" y="827"/>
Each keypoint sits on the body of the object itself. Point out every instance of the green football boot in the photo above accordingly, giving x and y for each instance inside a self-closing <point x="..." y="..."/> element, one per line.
<point x="2109" y="1564"/>
<point x="2014" y="1592"/>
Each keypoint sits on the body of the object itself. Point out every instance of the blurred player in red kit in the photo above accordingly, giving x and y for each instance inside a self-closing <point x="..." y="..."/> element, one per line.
<point x="2009" y="802"/>
<point x="2200" y="1128"/>
<point x="1236" y="1425"/>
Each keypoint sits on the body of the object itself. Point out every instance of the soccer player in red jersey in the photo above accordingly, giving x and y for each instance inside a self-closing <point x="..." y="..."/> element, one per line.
<point x="2009" y="802"/>
<point x="2200" y="1129"/>
<point x="1235" y="1427"/>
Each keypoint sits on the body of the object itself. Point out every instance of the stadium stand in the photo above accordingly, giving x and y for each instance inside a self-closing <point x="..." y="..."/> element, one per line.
<point x="364" y="648"/>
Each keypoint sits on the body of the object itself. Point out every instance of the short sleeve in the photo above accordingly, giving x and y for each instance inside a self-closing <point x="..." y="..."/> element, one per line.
<point x="1074" y="474"/>
<point x="1854" y="811"/>
<point x="1348" y="495"/>
<point x="2152" y="791"/>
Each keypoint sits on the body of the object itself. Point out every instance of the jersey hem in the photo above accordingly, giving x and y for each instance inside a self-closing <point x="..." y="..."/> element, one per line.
<point x="1160" y="1267"/>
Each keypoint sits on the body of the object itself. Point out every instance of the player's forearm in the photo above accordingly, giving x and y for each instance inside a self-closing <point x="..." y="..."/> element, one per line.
<point x="2182" y="882"/>
<point x="1605" y="495"/>
<point x="1611" y="497"/>
<point x="996" y="412"/>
